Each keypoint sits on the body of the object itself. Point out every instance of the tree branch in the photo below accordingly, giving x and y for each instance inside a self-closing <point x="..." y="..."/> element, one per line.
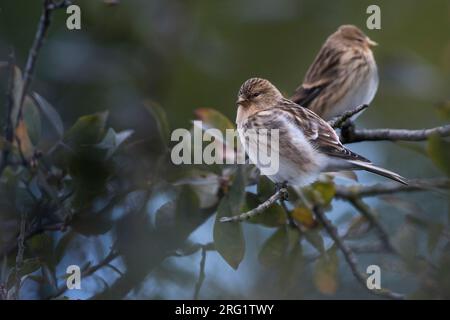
<point x="350" y="257"/>
<point x="201" y="275"/>
<point x="88" y="272"/>
<point x="339" y="121"/>
<point x="279" y="194"/>
<point x="20" y="252"/>
<point x="349" y="192"/>
<point x="351" y="135"/>
<point x="44" y="23"/>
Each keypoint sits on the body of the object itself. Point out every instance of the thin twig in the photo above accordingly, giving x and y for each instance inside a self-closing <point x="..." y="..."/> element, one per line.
<point x="350" y="257"/>
<point x="347" y="192"/>
<point x="356" y="135"/>
<point x="279" y="194"/>
<point x="337" y="122"/>
<point x="19" y="256"/>
<point x="201" y="275"/>
<point x="41" y="32"/>
<point x="86" y="273"/>
<point x="365" y="248"/>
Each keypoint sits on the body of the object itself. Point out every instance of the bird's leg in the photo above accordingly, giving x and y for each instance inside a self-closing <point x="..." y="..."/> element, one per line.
<point x="282" y="187"/>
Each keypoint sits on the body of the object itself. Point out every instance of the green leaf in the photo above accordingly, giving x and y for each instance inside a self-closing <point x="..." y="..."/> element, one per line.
<point x="228" y="237"/>
<point x="278" y="248"/>
<point x="32" y="120"/>
<point x="212" y="118"/>
<point x="265" y="188"/>
<point x="326" y="271"/>
<point x="17" y="83"/>
<point x="304" y="216"/>
<point x="315" y="239"/>
<point x="274" y="216"/>
<point x="158" y="113"/>
<point x="205" y="184"/>
<point x="237" y="191"/>
<point x="323" y="192"/>
<point x="50" y="113"/>
<point x="439" y="152"/>
<point x="187" y="206"/>
<point x="274" y="249"/>
<point x="113" y="140"/>
<point x="87" y="130"/>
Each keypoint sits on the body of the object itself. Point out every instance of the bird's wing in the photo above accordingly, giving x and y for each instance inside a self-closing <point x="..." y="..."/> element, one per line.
<point x="304" y="95"/>
<point x="319" y="75"/>
<point x="319" y="133"/>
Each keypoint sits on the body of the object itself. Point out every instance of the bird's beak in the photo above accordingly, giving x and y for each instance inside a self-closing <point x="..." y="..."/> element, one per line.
<point x="371" y="42"/>
<point x="241" y="101"/>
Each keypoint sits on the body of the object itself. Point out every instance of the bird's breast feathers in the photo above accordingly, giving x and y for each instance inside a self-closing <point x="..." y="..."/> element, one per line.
<point x="298" y="160"/>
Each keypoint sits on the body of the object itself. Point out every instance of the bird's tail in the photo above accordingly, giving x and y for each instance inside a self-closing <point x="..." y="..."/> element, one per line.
<point x="377" y="170"/>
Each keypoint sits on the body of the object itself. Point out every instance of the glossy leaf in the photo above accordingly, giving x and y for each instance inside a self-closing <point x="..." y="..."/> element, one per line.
<point x="32" y="119"/>
<point x="213" y="119"/>
<point x="228" y="237"/>
<point x="50" y="113"/>
<point x="304" y="216"/>
<point x="274" y="216"/>
<point x="265" y="188"/>
<point x="87" y="130"/>
<point x="113" y="140"/>
<point x="278" y="248"/>
<point x="160" y="117"/>
<point x="326" y="272"/>
<point x="274" y="248"/>
<point x="17" y="92"/>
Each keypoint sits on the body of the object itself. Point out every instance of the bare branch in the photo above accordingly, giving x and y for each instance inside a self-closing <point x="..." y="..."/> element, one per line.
<point x="338" y="121"/>
<point x="348" y="192"/>
<point x="41" y="32"/>
<point x="279" y="194"/>
<point x="350" y="134"/>
<point x="19" y="256"/>
<point x="106" y="262"/>
<point x="350" y="257"/>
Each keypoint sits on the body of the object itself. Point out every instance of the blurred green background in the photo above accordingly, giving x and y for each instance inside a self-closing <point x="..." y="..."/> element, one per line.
<point x="190" y="54"/>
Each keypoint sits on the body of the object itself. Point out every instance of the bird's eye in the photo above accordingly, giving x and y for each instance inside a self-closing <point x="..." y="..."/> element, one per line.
<point x="256" y="94"/>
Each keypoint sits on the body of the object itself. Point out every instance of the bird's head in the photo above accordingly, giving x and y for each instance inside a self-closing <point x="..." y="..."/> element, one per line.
<point x="352" y="36"/>
<point x="258" y="93"/>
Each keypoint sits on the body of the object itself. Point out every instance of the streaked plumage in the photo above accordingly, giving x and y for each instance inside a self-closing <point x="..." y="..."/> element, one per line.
<point x="308" y="145"/>
<point x="342" y="77"/>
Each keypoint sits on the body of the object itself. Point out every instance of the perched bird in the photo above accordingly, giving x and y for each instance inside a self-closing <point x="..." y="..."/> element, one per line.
<point x="307" y="145"/>
<point x="343" y="75"/>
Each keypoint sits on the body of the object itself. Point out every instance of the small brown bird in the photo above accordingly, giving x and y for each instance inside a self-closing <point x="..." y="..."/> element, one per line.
<point x="307" y="146"/>
<point x="343" y="75"/>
